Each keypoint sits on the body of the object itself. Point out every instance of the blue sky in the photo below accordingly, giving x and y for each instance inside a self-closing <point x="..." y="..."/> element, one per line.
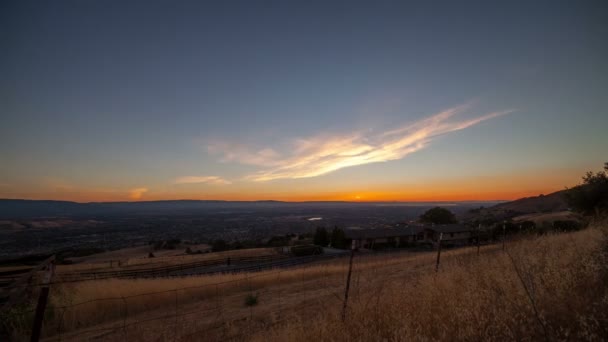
<point x="112" y="100"/>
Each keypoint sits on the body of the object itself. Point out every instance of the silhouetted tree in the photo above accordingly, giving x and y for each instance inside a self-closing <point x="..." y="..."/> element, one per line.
<point x="591" y="197"/>
<point x="338" y="239"/>
<point x="438" y="215"/>
<point x="321" y="237"/>
<point x="277" y="241"/>
<point x="219" y="245"/>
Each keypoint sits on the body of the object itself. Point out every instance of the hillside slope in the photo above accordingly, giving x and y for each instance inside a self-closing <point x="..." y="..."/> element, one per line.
<point x="396" y="297"/>
<point x="551" y="203"/>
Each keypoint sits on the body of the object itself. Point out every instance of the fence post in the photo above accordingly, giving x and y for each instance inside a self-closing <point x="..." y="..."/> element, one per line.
<point x="478" y="238"/>
<point x="438" y="252"/>
<point x="42" y="300"/>
<point x="504" y="234"/>
<point x="176" y="313"/>
<point x="350" y="270"/>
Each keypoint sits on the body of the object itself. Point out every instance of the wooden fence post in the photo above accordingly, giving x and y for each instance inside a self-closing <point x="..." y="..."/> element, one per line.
<point x="350" y="270"/>
<point x="504" y="234"/>
<point x="478" y="238"/>
<point x="438" y="252"/>
<point x="42" y="300"/>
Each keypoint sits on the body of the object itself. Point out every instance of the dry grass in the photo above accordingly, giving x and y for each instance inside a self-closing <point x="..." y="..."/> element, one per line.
<point x="545" y="288"/>
<point x="144" y="295"/>
<point x="548" y="288"/>
<point x="101" y="262"/>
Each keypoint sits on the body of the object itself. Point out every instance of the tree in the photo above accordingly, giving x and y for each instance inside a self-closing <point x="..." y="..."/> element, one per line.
<point x="591" y="197"/>
<point x="438" y="215"/>
<point x="338" y="239"/>
<point x="278" y="241"/>
<point x="321" y="237"/>
<point x="219" y="245"/>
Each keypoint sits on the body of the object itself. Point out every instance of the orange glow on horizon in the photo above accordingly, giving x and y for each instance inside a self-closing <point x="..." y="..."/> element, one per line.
<point x="370" y="196"/>
<point x="508" y="186"/>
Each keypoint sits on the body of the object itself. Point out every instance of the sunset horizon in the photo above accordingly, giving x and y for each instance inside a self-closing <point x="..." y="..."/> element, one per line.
<point x="138" y="101"/>
<point x="278" y="171"/>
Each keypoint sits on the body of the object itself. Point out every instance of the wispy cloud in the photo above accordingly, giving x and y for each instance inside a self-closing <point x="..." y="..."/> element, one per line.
<point x="232" y="152"/>
<point x="323" y="154"/>
<point x="137" y="193"/>
<point x="201" y="179"/>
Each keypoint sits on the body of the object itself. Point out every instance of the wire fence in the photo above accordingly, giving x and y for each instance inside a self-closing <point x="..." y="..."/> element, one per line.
<point x="218" y="311"/>
<point x="245" y="304"/>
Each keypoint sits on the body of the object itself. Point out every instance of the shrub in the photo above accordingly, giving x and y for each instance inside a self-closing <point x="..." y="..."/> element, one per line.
<point x="321" y="237"/>
<point x="590" y="197"/>
<point x="338" y="239"/>
<point x="251" y="300"/>
<point x="438" y="215"/>
<point x="566" y="225"/>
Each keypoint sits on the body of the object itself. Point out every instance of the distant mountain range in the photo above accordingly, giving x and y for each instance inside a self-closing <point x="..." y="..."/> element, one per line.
<point x="20" y="208"/>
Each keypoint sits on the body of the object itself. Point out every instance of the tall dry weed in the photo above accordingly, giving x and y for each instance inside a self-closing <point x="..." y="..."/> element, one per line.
<point x="545" y="288"/>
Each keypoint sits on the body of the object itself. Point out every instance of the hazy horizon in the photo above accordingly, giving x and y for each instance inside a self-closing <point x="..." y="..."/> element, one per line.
<point x="444" y="202"/>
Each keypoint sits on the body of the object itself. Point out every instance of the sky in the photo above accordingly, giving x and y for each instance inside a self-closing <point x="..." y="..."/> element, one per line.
<point x="300" y="100"/>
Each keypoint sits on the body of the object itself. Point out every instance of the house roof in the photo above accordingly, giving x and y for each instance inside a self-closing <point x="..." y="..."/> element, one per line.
<point x="373" y="233"/>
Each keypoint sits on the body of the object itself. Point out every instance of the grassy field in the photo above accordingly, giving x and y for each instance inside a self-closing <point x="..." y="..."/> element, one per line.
<point x="547" y="288"/>
<point x="551" y="287"/>
<point x="137" y="258"/>
<point x="540" y="218"/>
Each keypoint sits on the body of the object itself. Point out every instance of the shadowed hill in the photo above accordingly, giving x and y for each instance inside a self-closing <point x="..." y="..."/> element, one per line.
<point x="538" y="204"/>
<point x="551" y="203"/>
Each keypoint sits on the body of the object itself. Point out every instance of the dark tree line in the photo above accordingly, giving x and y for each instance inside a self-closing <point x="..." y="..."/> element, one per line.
<point x="590" y="197"/>
<point x="336" y="238"/>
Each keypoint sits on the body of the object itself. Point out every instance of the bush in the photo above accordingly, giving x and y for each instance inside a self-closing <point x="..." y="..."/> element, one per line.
<point x="590" y="197"/>
<point x="338" y="238"/>
<point x="278" y="241"/>
<point x="251" y="300"/>
<point x="321" y="237"/>
<point x="566" y="225"/>
<point x="438" y="215"/>
<point x="219" y="246"/>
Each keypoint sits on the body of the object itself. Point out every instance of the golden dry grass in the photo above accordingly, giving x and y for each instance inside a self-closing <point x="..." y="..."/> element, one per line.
<point x="551" y="287"/>
<point x="548" y="288"/>
<point x="174" y="257"/>
<point x="143" y="295"/>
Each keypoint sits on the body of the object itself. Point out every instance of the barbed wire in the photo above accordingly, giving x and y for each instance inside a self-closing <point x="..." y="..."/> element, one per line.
<point x="293" y="263"/>
<point x="328" y="295"/>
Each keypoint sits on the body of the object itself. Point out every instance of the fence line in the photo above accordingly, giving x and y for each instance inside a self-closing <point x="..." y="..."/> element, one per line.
<point x="123" y="324"/>
<point x="220" y="322"/>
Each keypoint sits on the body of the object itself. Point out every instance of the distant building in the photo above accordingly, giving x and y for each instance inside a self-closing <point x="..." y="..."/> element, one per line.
<point x="453" y="234"/>
<point x="393" y="237"/>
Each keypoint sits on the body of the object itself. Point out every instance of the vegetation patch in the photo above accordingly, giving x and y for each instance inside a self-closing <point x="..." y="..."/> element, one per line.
<point x="251" y="300"/>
